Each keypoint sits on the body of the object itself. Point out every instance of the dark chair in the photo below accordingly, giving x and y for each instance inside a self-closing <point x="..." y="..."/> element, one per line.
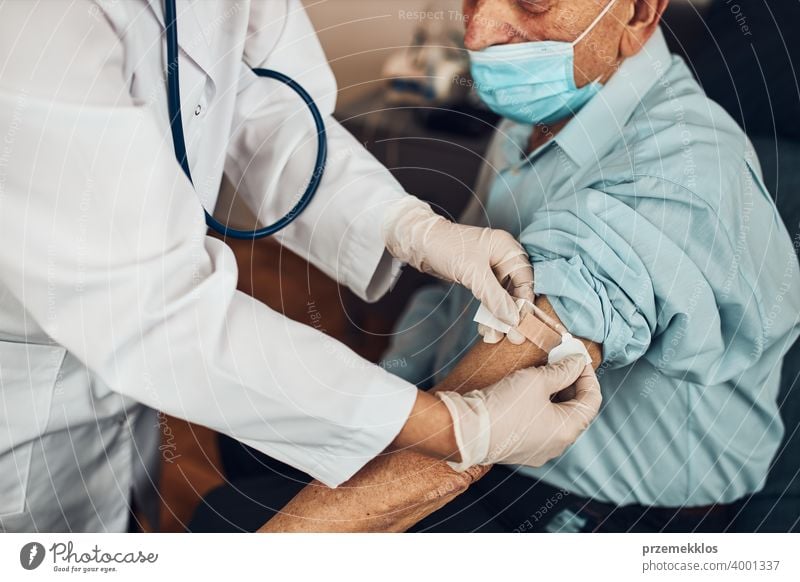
<point x="777" y="507"/>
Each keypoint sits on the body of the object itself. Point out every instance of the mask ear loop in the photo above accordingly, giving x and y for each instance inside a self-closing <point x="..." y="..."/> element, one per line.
<point x="594" y="22"/>
<point x="599" y="17"/>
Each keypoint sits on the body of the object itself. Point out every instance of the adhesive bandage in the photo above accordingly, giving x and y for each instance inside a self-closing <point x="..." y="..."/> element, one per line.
<point x="540" y="329"/>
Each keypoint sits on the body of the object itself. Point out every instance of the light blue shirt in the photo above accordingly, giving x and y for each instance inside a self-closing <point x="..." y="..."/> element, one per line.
<point x="650" y="232"/>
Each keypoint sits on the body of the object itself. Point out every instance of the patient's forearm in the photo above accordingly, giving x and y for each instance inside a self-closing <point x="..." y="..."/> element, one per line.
<point x="429" y="429"/>
<point x="390" y="494"/>
<point x="486" y="364"/>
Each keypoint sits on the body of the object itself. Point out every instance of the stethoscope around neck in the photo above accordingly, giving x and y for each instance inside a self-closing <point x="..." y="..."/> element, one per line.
<point x="179" y="140"/>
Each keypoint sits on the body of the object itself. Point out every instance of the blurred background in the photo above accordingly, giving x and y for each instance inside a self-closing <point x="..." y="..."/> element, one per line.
<point x="396" y="96"/>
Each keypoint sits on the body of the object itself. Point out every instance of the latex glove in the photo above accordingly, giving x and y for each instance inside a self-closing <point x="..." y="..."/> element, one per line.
<point x="481" y="259"/>
<point x="514" y="421"/>
<point x="492" y="335"/>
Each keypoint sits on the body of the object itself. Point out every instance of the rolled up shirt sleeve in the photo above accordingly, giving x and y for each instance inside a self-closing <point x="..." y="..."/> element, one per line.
<point x="592" y="275"/>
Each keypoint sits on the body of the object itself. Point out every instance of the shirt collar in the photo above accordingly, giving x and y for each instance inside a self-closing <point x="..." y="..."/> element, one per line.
<point x="598" y="124"/>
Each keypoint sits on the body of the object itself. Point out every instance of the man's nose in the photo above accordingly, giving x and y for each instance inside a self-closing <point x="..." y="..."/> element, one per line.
<point x="490" y="23"/>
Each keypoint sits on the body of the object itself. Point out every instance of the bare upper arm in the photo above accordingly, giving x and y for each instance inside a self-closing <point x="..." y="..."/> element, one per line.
<point x="485" y="363"/>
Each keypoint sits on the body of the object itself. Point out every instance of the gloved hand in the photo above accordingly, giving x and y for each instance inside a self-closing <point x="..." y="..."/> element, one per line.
<point x="481" y="259"/>
<point x="514" y="421"/>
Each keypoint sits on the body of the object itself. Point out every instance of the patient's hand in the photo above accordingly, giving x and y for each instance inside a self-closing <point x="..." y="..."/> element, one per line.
<point x="390" y="494"/>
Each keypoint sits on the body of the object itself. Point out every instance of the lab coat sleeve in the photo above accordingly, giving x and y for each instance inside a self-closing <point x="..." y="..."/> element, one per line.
<point x="105" y="245"/>
<point x="272" y="150"/>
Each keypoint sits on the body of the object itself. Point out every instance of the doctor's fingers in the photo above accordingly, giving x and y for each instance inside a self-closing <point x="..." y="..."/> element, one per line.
<point x="489" y="335"/>
<point x="539" y="383"/>
<point x="516" y="273"/>
<point x="487" y="288"/>
<point x="493" y="336"/>
<point x="588" y="398"/>
<point x="553" y="378"/>
<point x="507" y="263"/>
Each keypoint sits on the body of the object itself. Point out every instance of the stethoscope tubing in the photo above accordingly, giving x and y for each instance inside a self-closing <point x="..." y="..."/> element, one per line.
<point x="179" y="140"/>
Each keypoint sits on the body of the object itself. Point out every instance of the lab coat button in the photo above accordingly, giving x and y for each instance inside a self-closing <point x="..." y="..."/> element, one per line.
<point x="198" y="109"/>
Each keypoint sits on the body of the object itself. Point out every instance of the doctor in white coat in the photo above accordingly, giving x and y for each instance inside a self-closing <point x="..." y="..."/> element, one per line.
<point x="114" y="303"/>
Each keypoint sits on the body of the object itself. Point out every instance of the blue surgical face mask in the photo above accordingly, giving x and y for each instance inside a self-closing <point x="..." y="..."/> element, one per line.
<point x="532" y="82"/>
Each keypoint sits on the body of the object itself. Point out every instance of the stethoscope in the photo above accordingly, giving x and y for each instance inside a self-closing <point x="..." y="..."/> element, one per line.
<point x="179" y="141"/>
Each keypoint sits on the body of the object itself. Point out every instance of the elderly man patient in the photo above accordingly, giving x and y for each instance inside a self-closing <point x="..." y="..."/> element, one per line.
<point x="641" y="205"/>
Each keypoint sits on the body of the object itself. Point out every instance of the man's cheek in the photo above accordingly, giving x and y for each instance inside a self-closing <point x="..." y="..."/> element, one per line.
<point x="569" y="20"/>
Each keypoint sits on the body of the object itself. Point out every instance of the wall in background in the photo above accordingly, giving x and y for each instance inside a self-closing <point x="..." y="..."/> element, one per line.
<point x="358" y="36"/>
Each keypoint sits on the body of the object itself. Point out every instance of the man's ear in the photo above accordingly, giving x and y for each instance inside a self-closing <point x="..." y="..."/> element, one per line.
<point x="642" y="23"/>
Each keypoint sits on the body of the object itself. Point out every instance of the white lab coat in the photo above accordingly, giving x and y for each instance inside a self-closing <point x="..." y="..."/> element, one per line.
<point x="114" y="302"/>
